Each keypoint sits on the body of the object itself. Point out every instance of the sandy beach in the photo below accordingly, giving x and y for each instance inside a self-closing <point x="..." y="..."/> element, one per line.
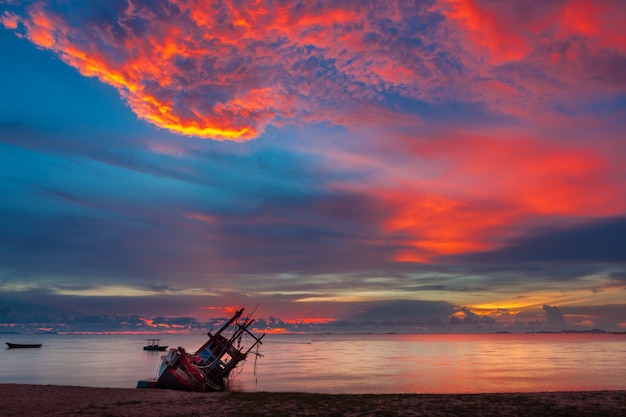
<point x="52" y="400"/>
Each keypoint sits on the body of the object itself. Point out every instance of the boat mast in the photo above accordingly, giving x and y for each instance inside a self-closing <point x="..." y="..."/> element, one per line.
<point x="228" y="323"/>
<point x="216" y="336"/>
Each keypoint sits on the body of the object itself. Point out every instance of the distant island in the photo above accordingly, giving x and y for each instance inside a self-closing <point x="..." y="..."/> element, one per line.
<point x="599" y="331"/>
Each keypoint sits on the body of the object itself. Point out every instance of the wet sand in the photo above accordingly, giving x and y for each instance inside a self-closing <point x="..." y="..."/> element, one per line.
<point x="52" y="400"/>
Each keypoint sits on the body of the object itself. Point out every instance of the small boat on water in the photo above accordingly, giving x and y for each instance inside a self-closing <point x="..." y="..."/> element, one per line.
<point x="153" y="344"/>
<point x="23" y="345"/>
<point x="208" y="368"/>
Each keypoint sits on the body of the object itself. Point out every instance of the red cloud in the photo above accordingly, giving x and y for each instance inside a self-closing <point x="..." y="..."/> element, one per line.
<point x="600" y="21"/>
<point x="226" y="70"/>
<point x="489" y="30"/>
<point x="196" y="68"/>
<point x="534" y="176"/>
<point x="489" y="190"/>
<point x="511" y="31"/>
<point x="534" y="59"/>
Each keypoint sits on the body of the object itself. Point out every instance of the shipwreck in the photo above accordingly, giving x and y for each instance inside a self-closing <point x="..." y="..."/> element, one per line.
<point x="208" y="368"/>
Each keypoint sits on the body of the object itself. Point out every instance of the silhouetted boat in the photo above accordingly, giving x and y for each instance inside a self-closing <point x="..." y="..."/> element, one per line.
<point x="209" y="367"/>
<point x="153" y="344"/>
<point x="23" y="345"/>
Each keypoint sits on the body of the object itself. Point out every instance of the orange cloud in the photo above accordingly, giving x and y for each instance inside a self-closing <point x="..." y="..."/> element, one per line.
<point x="536" y="177"/>
<point x="146" y="70"/>
<point x="227" y="70"/>
<point x="434" y="225"/>
<point x="311" y="320"/>
<point x="40" y="29"/>
<point x="9" y="20"/>
<point x="228" y="310"/>
<point x="489" y="190"/>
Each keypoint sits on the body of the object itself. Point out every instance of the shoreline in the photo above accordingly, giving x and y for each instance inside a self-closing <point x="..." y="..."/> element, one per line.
<point x="54" y="400"/>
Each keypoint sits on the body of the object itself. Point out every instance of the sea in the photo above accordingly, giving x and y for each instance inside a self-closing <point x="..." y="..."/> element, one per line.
<point x="341" y="363"/>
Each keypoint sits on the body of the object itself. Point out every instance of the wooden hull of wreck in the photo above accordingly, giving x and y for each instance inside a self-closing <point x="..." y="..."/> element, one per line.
<point x="177" y="372"/>
<point x="177" y="380"/>
<point x="209" y="367"/>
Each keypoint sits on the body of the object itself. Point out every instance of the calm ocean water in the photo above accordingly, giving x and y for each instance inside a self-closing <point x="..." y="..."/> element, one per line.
<point x="371" y="363"/>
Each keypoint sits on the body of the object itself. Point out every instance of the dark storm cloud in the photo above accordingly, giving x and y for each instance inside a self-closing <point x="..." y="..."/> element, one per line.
<point x="402" y="311"/>
<point x="465" y="316"/>
<point x="599" y="241"/>
<point x="619" y="277"/>
<point x="555" y="319"/>
<point x="51" y="304"/>
<point x="595" y="316"/>
<point x="159" y="313"/>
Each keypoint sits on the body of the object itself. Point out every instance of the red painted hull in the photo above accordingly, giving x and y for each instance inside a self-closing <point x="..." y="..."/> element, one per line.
<point x="209" y="367"/>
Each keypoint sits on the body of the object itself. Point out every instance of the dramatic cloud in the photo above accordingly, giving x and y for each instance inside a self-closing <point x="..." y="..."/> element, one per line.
<point x="601" y="241"/>
<point x="464" y="193"/>
<point x="226" y="70"/>
<point x="452" y="164"/>
<point x="555" y="319"/>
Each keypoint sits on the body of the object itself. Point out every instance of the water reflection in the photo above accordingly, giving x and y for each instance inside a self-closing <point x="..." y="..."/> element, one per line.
<point x="443" y="363"/>
<point x="344" y="363"/>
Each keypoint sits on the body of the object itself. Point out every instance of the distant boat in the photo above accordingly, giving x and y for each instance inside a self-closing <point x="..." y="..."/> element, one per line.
<point x="153" y="344"/>
<point x="23" y="345"/>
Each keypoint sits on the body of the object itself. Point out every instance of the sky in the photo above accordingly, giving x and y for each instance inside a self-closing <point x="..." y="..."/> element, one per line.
<point x="425" y="166"/>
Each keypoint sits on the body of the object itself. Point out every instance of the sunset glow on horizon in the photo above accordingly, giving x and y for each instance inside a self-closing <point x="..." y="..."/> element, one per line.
<point x="455" y="165"/>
